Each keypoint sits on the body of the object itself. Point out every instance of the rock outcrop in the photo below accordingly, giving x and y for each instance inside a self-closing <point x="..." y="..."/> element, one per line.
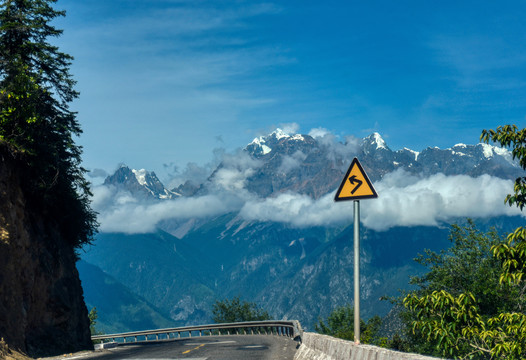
<point x="42" y="310"/>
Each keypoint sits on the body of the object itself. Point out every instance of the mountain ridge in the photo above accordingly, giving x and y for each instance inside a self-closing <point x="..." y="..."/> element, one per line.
<point x="281" y="154"/>
<point x="293" y="269"/>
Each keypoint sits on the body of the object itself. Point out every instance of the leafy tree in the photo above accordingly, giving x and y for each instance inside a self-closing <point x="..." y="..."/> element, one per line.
<point x="340" y="324"/>
<point x="468" y="265"/>
<point x="463" y="321"/>
<point x="235" y="310"/>
<point x="512" y="253"/>
<point x="92" y="316"/>
<point x="36" y="123"/>
<point x="511" y="137"/>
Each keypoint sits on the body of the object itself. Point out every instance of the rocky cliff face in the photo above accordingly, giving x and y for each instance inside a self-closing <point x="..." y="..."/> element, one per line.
<point x="42" y="310"/>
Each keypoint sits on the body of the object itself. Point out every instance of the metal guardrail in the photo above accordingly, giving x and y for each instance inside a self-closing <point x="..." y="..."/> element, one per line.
<point x="288" y="328"/>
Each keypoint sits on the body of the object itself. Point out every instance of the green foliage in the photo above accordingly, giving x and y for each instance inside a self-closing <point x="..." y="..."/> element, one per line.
<point x="456" y="327"/>
<point x="467" y="266"/>
<point x="35" y="120"/>
<point x="92" y="316"/>
<point x="510" y="136"/>
<point x="479" y="314"/>
<point x="235" y="310"/>
<point x="513" y="257"/>
<point x="443" y="319"/>
<point x="340" y="324"/>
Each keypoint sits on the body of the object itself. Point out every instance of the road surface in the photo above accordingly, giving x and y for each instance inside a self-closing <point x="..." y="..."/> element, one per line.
<point x="235" y="347"/>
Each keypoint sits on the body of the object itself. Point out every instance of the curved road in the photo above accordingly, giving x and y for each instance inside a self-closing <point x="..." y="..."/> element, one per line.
<point x="235" y="347"/>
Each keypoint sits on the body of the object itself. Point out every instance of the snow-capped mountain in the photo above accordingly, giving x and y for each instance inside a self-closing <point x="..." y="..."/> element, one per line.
<point x="141" y="183"/>
<point x="312" y="166"/>
<point x="293" y="272"/>
<point x="264" y="145"/>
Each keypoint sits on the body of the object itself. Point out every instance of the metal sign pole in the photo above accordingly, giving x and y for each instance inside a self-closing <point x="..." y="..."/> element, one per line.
<point x="356" y="271"/>
<point x="356" y="185"/>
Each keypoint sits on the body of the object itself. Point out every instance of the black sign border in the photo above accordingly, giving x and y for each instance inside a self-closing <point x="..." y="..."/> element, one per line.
<point x="346" y="177"/>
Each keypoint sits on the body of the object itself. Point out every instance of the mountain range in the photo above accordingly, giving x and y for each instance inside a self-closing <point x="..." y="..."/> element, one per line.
<point x="263" y="226"/>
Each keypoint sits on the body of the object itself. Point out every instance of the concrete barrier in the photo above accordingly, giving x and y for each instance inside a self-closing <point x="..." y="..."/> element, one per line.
<point x="323" y="347"/>
<point x="109" y="345"/>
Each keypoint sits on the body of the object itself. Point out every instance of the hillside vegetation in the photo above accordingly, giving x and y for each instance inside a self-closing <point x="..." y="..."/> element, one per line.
<point x="471" y="304"/>
<point x="45" y="214"/>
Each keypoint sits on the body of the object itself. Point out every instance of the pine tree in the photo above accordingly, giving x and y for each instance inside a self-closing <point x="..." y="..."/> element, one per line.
<point x="35" y="120"/>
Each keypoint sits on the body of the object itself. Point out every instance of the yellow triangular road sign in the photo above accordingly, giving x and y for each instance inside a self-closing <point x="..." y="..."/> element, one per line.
<point x="355" y="185"/>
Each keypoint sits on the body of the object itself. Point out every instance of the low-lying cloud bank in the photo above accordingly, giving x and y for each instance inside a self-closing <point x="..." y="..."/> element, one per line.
<point x="404" y="200"/>
<point x="119" y="211"/>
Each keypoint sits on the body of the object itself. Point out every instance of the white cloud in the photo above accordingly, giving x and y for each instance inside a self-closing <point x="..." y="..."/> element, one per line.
<point x="337" y="150"/>
<point x="131" y="217"/>
<point x="192" y="172"/>
<point x="97" y="173"/>
<point x="404" y="200"/>
<point x="294" y="209"/>
<point x="436" y="199"/>
<point x="232" y="175"/>
<point x="120" y="211"/>
<point x="290" y="128"/>
<point x="289" y="163"/>
<point x="318" y="132"/>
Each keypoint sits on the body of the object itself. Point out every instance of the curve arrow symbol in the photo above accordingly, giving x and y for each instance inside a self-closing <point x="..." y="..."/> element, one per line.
<point x="353" y="181"/>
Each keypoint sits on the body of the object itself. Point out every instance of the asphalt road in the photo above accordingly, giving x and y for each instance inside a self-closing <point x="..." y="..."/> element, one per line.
<point x="236" y="347"/>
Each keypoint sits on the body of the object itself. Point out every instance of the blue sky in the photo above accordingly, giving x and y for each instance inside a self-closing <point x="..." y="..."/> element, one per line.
<point x="165" y="82"/>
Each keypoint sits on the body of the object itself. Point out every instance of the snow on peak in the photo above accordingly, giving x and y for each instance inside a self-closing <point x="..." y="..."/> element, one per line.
<point x="297" y="137"/>
<point x="415" y="153"/>
<point x="261" y="141"/>
<point x="378" y="140"/>
<point x="280" y="134"/>
<point x="456" y="147"/>
<point x="489" y="151"/>
<point x="140" y="175"/>
<point x="265" y="149"/>
<point x="258" y="141"/>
